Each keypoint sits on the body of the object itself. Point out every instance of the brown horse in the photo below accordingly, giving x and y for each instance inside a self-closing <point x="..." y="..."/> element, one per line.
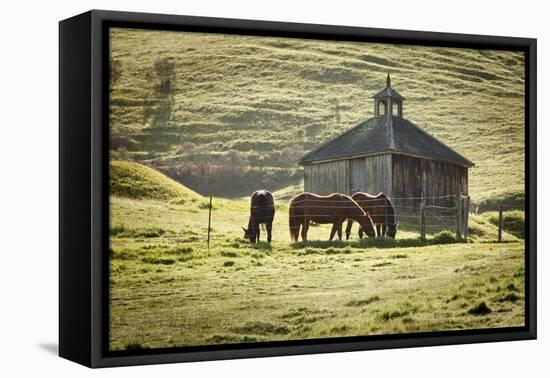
<point x="262" y="211"/>
<point x="381" y="210"/>
<point x="334" y="208"/>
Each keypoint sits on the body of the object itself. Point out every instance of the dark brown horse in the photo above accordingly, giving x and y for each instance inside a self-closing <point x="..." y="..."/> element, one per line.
<point x="381" y="210"/>
<point x="262" y="211"/>
<point x="334" y="208"/>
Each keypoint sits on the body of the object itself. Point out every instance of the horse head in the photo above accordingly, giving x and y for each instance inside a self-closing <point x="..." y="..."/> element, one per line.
<point x="248" y="234"/>
<point x="391" y="230"/>
<point x="367" y="226"/>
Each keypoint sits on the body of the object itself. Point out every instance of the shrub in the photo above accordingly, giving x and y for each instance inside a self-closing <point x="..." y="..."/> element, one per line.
<point x="444" y="237"/>
<point x="204" y="205"/>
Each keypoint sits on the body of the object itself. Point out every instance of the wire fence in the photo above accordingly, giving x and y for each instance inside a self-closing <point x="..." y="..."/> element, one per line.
<point x="427" y="214"/>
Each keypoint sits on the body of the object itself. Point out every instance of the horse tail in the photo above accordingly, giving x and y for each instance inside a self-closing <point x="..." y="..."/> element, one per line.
<point x="293" y="225"/>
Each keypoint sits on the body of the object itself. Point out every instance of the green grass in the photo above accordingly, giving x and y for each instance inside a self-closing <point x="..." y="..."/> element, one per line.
<point x="168" y="289"/>
<point x="133" y="180"/>
<point x="512" y="221"/>
<point x="241" y="110"/>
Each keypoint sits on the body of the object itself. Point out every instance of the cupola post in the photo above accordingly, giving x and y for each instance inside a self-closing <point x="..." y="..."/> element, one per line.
<point x="388" y="98"/>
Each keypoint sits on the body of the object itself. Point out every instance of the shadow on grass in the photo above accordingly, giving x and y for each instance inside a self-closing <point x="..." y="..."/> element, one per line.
<point x="262" y="245"/>
<point x="444" y="237"/>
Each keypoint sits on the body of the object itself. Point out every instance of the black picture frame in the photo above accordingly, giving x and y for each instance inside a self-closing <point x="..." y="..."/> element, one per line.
<point x="84" y="188"/>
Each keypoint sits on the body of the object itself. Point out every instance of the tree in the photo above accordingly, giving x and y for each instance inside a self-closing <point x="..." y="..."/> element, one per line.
<point x="165" y="74"/>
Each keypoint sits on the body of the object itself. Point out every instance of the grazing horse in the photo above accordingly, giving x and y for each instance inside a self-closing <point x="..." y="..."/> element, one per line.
<point x="381" y="210"/>
<point x="262" y="211"/>
<point x="334" y="208"/>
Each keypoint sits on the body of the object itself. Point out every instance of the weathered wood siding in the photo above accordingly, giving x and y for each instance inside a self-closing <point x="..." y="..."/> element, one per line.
<point x="327" y="178"/>
<point x="403" y="178"/>
<point x="370" y="174"/>
<point x="416" y="178"/>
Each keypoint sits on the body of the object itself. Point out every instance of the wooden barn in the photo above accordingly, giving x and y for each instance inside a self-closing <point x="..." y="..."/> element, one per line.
<point x="387" y="153"/>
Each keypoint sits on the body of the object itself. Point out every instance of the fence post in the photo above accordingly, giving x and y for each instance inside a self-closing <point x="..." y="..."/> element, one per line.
<point x="466" y="215"/>
<point x="209" y="220"/>
<point x="422" y="222"/>
<point x="500" y="223"/>
<point x="458" y="203"/>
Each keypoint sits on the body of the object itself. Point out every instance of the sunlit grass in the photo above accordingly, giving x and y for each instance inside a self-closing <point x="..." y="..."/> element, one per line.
<point x="169" y="289"/>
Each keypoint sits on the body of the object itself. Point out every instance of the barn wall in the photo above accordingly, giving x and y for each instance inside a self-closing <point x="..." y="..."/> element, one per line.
<point x="326" y="178"/>
<point x="396" y="175"/>
<point x="371" y="174"/>
<point x="416" y="178"/>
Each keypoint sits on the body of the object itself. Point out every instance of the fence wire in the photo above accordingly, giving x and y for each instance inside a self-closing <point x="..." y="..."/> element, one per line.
<point x="440" y="212"/>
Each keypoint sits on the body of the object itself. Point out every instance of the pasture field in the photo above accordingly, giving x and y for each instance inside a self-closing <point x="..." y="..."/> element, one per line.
<point x="167" y="289"/>
<point x="227" y="115"/>
<point x="231" y="114"/>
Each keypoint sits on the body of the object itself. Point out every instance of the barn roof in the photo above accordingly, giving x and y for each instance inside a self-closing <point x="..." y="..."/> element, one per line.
<point x="388" y="92"/>
<point x="373" y="136"/>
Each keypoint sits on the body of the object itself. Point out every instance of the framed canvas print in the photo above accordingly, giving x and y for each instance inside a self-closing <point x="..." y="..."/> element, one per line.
<point x="233" y="188"/>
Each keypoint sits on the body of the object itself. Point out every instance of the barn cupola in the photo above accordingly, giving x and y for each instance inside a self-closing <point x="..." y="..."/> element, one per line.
<point x="388" y="101"/>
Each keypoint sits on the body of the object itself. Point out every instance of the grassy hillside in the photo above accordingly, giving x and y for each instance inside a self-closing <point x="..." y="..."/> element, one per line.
<point x="230" y="114"/>
<point x="133" y="180"/>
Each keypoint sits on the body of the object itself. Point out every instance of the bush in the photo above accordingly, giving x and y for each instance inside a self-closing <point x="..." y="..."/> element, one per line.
<point x="444" y="237"/>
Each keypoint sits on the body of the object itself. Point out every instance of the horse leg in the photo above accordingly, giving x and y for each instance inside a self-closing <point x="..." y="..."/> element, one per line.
<point x="257" y="232"/>
<point x="332" y="231"/>
<point x="339" y="229"/>
<point x="360" y="233"/>
<point x="348" y="228"/>
<point x="268" y="229"/>
<point x="384" y="229"/>
<point x="378" y="230"/>
<point x="305" y="227"/>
